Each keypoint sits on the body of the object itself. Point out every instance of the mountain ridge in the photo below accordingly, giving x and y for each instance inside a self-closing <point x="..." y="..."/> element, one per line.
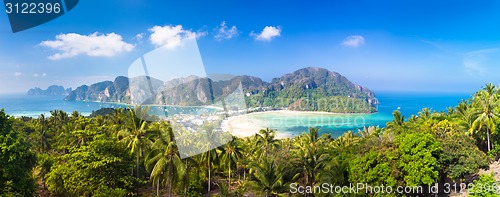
<point x="54" y="90"/>
<point x="306" y="89"/>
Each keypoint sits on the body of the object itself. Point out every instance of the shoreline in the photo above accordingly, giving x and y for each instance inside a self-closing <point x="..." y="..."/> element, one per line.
<point x="244" y="125"/>
<point x="216" y="107"/>
<point x="149" y="105"/>
<point x="309" y="112"/>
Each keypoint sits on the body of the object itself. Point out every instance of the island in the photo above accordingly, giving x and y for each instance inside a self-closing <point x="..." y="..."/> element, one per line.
<point x="54" y="90"/>
<point x="308" y="89"/>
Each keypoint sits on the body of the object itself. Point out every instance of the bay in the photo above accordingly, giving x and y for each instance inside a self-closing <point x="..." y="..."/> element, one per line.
<point x="292" y="124"/>
<point x="337" y="124"/>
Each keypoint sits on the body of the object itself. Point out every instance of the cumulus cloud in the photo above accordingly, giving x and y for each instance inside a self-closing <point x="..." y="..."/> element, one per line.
<point x="225" y="33"/>
<point x="18" y="74"/>
<point x="268" y="33"/>
<point x="94" y="45"/>
<point x="171" y="36"/>
<point x="353" y="41"/>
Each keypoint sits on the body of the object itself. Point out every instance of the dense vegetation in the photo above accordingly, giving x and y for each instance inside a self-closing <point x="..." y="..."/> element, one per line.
<point x="119" y="154"/>
<point x="313" y="89"/>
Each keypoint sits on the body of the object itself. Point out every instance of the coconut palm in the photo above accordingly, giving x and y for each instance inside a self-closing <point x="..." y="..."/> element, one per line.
<point x="164" y="162"/>
<point x="485" y="103"/>
<point x="425" y="114"/>
<point x="232" y="152"/>
<point x="266" y="141"/>
<point x="41" y="128"/>
<point x="370" y="131"/>
<point x="310" y="150"/>
<point x="398" y="120"/>
<point x="248" y="155"/>
<point x="58" y="118"/>
<point x="136" y="134"/>
<point x="268" y="176"/>
<point x="187" y="141"/>
<point x="211" y="156"/>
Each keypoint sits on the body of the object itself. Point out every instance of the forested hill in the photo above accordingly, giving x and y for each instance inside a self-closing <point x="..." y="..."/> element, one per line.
<point x="315" y="89"/>
<point x="307" y="89"/>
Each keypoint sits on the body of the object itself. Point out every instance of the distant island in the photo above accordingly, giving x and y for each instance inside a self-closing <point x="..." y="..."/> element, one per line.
<point x="307" y="89"/>
<point x="53" y="90"/>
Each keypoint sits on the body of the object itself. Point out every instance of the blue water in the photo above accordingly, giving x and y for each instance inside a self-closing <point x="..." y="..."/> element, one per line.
<point x="411" y="103"/>
<point x="408" y="103"/>
<point x="32" y="106"/>
<point x="337" y="124"/>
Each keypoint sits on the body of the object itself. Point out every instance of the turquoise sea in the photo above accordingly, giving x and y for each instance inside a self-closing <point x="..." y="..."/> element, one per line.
<point x="32" y="106"/>
<point x="337" y="124"/>
<point x="408" y="103"/>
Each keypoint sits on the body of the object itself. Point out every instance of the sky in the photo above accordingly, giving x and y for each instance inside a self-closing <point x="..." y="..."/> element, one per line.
<point x="411" y="45"/>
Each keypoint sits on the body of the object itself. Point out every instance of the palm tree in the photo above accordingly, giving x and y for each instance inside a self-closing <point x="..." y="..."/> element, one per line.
<point x="349" y="138"/>
<point x="210" y="139"/>
<point x="164" y="162"/>
<point x="398" y="120"/>
<point x="248" y="155"/>
<point x="485" y="101"/>
<point x="310" y="150"/>
<point x="334" y="172"/>
<point x="115" y="121"/>
<point x="490" y="89"/>
<point x="185" y="138"/>
<point x="210" y="157"/>
<point x="81" y="137"/>
<point x="58" y="118"/>
<point x="136" y="134"/>
<point x="231" y="153"/>
<point x="465" y="115"/>
<point x="370" y="131"/>
<point x="425" y="114"/>
<point x="75" y="114"/>
<point x="266" y="140"/>
<point x="41" y="128"/>
<point x="268" y="176"/>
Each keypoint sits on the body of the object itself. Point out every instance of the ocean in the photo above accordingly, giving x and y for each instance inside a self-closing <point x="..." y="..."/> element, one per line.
<point x="33" y="106"/>
<point x="336" y="124"/>
<point x="408" y="103"/>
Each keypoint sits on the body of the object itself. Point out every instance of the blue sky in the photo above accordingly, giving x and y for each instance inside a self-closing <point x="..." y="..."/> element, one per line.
<point x="429" y="46"/>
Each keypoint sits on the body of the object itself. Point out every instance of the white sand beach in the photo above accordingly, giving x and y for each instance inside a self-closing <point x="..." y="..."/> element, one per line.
<point x="246" y="125"/>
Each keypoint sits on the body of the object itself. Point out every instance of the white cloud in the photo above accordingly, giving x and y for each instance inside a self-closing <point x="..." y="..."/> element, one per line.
<point x="139" y="36"/>
<point x="353" y="41"/>
<point x="268" y="33"/>
<point x="171" y="36"/>
<point x="95" y="45"/>
<point x="225" y="33"/>
<point x="17" y="74"/>
<point x="200" y="34"/>
<point x="474" y="60"/>
<point x="38" y="75"/>
<point x="473" y="67"/>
